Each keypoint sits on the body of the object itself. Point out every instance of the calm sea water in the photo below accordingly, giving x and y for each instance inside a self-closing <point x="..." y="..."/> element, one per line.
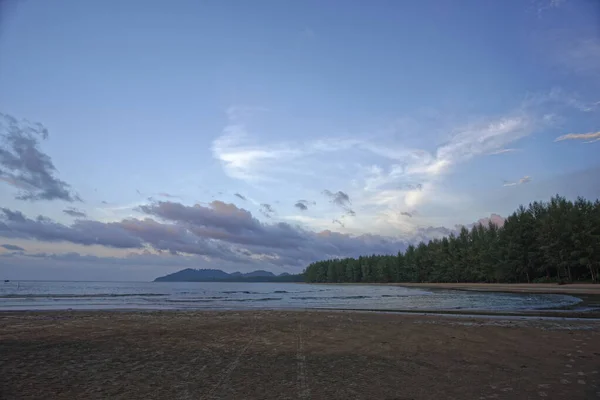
<point x="36" y="295"/>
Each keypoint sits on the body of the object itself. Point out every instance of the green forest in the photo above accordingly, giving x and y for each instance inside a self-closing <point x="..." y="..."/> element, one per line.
<point x="555" y="241"/>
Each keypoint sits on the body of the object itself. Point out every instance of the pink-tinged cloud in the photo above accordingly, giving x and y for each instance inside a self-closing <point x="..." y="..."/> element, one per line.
<point x="588" y="137"/>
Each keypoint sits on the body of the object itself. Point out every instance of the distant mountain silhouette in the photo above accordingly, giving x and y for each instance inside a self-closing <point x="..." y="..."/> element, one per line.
<point x="259" y="272"/>
<point x="190" y="274"/>
<point x="212" y="275"/>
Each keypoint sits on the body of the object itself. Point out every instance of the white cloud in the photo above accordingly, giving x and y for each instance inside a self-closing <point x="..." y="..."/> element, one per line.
<point x="557" y="100"/>
<point x="414" y="197"/>
<point x="503" y="151"/>
<point x="525" y="179"/>
<point x="588" y="137"/>
<point x="242" y="160"/>
<point x="246" y="161"/>
<point x="239" y="157"/>
<point x="380" y="172"/>
<point x="485" y="137"/>
<point x="420" y="166"/>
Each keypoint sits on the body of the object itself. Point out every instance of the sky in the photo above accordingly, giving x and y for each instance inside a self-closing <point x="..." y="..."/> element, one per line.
<point x="138" y="138"/>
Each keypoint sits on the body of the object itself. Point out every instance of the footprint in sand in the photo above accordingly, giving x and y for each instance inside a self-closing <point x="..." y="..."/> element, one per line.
<point x="568" y="366"/>
<point x="543" y="394"/>
<point x="581" y="381"/>
<point x="580" y="374"/>
<point x="544" y="386"/>
<point x="565" y="381"/>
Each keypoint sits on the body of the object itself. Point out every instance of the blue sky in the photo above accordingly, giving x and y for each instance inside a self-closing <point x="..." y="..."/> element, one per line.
<point x="392" y="121"/>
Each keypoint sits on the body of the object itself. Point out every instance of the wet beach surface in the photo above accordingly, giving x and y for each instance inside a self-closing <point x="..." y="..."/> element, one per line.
<point x="294" y="354"/>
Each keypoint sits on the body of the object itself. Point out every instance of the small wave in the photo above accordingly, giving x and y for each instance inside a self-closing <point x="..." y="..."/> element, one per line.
<point x="75" y="296"/>
<point x="239" y="291"/>
<point x="280" y="291"/>
<point x="211" y="300"/>
<point x="266" y="299"/>
<point x="191" y="301"/>
<point x="329" y="297"/>
<point x="202" y="298"/>
<point x="263" y="299"/>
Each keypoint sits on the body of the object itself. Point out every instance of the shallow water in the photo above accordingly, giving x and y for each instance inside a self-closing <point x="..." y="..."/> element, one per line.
<point x="37" y="295"/>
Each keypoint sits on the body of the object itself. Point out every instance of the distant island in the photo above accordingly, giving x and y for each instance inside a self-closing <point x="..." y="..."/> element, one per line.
<point x="217" y="275"/>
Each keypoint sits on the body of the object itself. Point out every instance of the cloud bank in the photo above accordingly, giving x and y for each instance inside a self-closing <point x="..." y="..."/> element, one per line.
<point x="217" y="233"/>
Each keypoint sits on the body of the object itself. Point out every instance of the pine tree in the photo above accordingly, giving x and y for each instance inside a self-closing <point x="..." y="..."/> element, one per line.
<point x="557" y="240"/>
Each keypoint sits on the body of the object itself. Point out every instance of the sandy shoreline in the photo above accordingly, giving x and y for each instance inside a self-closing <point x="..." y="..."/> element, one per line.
<point x="545" y="288"/>
<point x="294" y="354"/>
<point x="533" y="288"/>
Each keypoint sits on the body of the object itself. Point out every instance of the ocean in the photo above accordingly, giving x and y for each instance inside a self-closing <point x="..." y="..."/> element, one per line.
<point x="38" y="295"/>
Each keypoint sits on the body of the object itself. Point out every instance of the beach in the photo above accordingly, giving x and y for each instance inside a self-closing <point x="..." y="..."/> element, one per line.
<point x="294" y="354"/>
<point x="550" y="288"/>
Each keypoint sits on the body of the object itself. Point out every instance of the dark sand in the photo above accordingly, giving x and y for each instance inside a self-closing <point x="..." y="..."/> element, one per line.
<point x="294" y="355"/>
<point x="574" y="288"/>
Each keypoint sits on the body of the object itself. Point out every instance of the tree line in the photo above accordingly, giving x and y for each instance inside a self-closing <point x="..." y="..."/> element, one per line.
<point x="555" y="241"/>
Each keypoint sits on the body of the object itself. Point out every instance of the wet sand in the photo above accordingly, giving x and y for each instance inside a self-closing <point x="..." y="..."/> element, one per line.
<point x="294" y="355"/>
<point x="550" y="288"/>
